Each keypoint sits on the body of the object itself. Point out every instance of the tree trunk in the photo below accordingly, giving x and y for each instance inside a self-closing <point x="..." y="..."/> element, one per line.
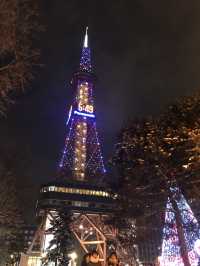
<point x="183" y="246"/>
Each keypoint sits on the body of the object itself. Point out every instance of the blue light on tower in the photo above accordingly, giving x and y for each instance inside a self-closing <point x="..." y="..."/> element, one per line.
<point x="84" y="114"/>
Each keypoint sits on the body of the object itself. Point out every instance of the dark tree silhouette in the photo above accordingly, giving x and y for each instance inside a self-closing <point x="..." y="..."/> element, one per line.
<point x="62" y="243"/>
<point x="19" y="26"/>
<point x="153" y="156"/>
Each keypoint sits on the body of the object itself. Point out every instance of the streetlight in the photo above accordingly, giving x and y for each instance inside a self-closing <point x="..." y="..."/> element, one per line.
<point x="12" y="259"/>
<point x="73" y="257"/>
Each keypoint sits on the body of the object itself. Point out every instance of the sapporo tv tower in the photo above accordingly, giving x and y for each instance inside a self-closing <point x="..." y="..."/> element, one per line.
<point x="80" y="182"/>
<point x="82" y="159"/>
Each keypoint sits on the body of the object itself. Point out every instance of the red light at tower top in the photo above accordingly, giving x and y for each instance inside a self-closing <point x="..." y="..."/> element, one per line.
<point x="82" y="159"/>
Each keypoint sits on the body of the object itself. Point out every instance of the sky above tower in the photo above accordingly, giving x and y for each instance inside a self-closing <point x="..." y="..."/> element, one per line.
<point x="144" y="53"/>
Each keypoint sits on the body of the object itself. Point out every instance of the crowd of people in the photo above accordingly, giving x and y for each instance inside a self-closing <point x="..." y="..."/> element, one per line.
<point x="92" y="259"/>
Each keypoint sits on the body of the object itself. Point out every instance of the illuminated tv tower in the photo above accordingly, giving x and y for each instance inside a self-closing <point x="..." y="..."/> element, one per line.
<point x="79" y="185"/>
<point x="82" y="159"/>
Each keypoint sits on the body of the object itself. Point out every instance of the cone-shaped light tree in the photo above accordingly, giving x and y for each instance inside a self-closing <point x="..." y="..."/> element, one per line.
<point x="172" y="232"/>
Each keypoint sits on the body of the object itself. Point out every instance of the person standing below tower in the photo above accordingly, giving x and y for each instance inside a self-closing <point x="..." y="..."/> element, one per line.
<point x="113" y="260"/>
<point x="94" y="259"/>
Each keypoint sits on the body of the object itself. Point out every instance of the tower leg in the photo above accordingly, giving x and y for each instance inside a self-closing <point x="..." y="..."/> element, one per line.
<point x="90" y="230"/>
<point x="87" y="229"/>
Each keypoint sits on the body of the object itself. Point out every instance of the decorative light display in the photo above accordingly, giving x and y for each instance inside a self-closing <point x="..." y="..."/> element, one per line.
<point x="97" y="193"/>
<point x="171" y="255"/>
<point x="82" y="154"/>
<point x="80" y="150"/>
<point x="85" y="63"/>
<point x="83" y="98"/>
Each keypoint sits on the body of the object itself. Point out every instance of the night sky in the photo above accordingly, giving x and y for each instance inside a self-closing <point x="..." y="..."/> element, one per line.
<point x="145" y="54"/>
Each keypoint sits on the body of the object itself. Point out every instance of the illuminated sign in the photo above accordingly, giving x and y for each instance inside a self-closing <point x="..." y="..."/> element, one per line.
<point x="84" y="114"/>
<point x="86" y="108"/>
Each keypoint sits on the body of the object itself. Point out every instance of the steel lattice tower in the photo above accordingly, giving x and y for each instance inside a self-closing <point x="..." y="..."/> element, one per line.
<point x="79" y="184"/>
<point x="82" y="159"/>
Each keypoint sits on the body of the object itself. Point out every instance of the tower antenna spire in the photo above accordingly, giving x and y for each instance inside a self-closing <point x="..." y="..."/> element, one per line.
<point x="85" y="62"/>
<point x="85" y="45"/>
